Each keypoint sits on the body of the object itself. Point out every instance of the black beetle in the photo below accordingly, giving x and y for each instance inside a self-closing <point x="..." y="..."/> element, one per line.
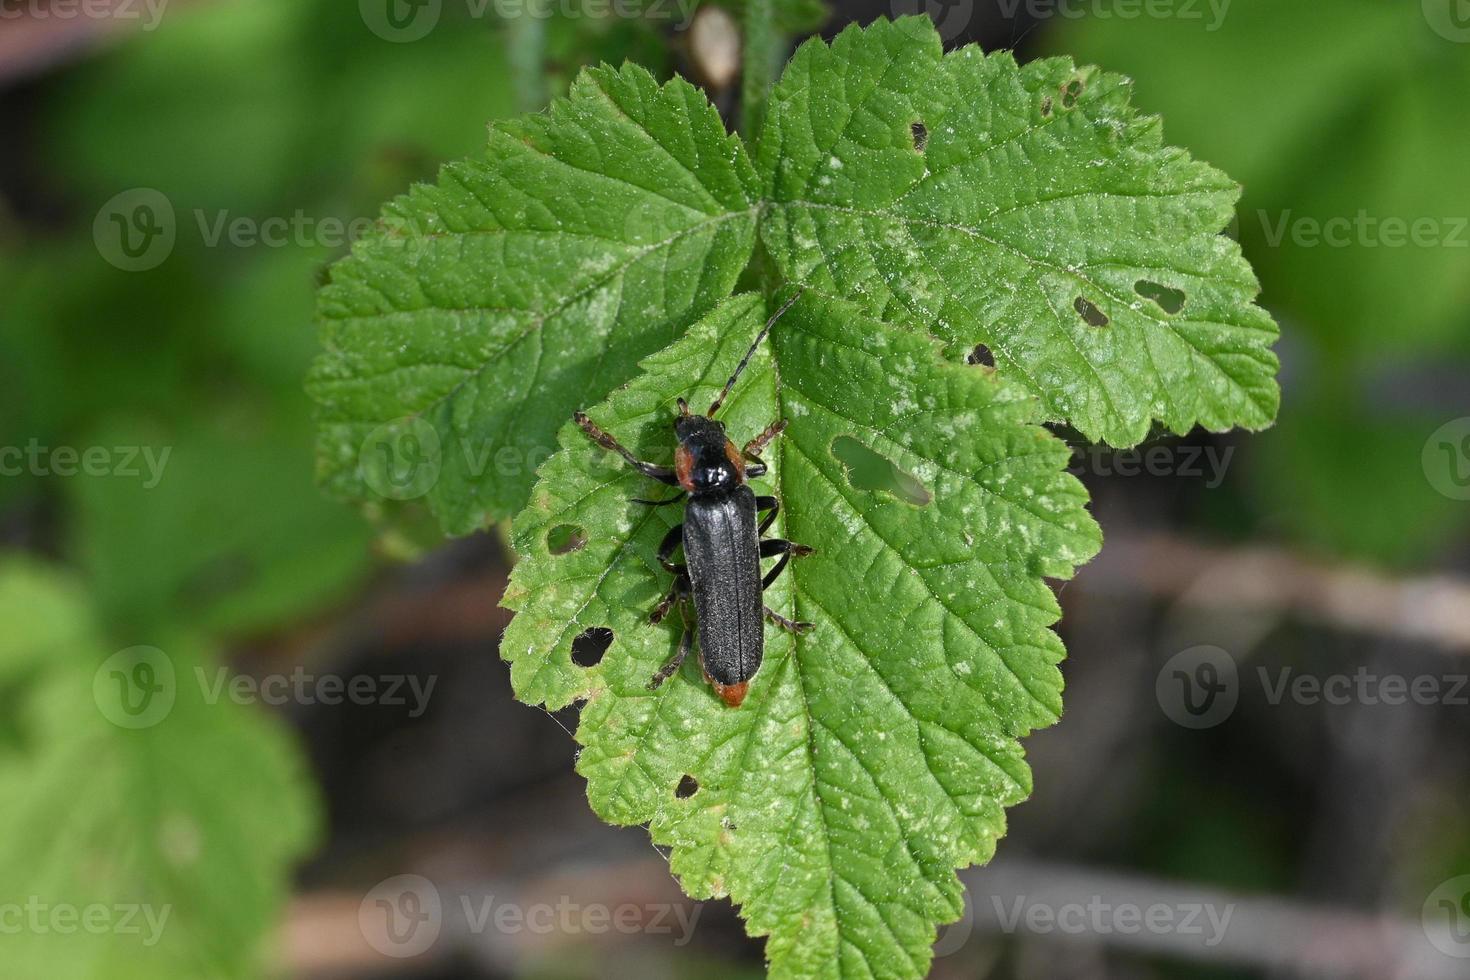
<point x="722" y="542"/>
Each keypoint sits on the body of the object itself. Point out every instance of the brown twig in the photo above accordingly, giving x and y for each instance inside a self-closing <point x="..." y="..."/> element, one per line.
<point x="1430" y="609"/>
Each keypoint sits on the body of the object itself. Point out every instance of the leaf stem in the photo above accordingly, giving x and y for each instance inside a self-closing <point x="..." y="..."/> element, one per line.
<point x="762" y="46"/>
<point x="525" y="41"/>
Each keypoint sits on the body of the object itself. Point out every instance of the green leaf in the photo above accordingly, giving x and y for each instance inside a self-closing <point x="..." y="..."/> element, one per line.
<point x="217" y="560"/>
<point x="1320" y="223"/>
<point x="191" y="821"/>
<point x="491" y="303"/>
<point x="1037" y="217"/>
<point x="875" y="754"/>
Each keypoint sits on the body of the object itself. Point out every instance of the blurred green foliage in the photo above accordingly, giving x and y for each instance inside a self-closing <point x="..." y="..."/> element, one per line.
<point x="273" y="109"/>
<point x="1345" y="124"/>
<point x="178" y="834"/>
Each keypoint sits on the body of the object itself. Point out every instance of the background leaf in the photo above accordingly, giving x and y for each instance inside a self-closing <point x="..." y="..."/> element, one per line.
<point x="1030" y="209"/>
<point x="875" y="754"/>
<point x="99" y="815"/>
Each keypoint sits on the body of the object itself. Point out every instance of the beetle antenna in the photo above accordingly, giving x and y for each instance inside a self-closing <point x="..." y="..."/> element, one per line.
<point x="751" y="353"/>
<point x="683" y="407"/>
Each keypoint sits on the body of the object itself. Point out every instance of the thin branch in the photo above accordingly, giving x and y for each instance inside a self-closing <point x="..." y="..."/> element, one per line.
<point x="762" y="48"/>
<point x="1428" y="609"/>
<point x="1196" y="922"/>
<point x="525" y="40"/>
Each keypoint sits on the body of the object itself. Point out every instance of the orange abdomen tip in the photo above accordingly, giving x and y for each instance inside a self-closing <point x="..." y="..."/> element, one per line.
<point x="732" y="694"/>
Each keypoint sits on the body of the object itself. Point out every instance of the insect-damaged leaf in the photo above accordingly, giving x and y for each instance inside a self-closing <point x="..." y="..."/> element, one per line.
<point x="875" y="754"/>
<point x="1026" y="217"/>
<point x="487" y="305"/>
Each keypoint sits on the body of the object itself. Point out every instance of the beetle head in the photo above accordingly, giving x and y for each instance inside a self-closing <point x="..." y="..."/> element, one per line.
<point x="696" y="429"/>
<point x="705" y="460"/>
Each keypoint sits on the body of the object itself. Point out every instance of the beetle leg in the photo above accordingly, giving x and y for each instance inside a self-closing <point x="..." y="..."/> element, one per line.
<point x="767" y="503"/>
<point x="754" y="446"/>
<point x="679" y="590"/>
<point x="668" y="546"/>
<point x="651" y="470"/>
<point x="757" y="466"/>
<point x="660" y="503"/>
<point x="779" y="546"/>
<point x="789" y="625"/>
<point x="672" y="667"/>
<point x="675" y="594"/>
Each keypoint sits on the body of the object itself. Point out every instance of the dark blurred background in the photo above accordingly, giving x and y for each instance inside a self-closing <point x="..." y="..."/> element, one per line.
<point x="1265" y="744"/>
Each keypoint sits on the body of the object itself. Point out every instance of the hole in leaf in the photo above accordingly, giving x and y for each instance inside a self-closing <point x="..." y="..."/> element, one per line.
<point x="1046" y="106"/>
<point x="566" y="538"/>
<point x="867" y="470"/>
<point x="1090" y="314"/>
<point x="1170" y="300"/>
<point x="921" y="135"/>
<point x="981" y="355"/>
<point x="687" y="787"/>
<point x="587" y="649"/>
<point x="1070" y="93"/>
